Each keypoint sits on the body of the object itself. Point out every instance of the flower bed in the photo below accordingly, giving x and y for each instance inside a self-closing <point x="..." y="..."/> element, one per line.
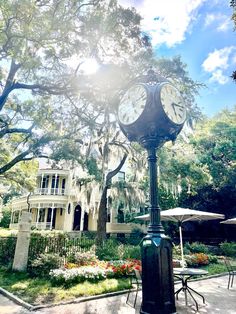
<point x="76" y="275"/>
<point x="73" y="273"/>
<point x="197" y="259"/>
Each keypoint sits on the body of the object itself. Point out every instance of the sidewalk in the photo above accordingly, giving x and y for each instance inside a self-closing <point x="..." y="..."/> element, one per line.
<point x="218" y="300"/>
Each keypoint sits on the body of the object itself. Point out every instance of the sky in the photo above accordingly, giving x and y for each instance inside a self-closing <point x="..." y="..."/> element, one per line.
<point x="202" y="33"/>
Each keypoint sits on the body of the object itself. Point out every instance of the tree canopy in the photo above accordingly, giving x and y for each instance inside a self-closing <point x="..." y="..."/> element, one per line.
<point x="43" y="46"/>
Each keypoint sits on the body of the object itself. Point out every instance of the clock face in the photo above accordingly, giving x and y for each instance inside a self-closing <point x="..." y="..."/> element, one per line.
<point x="132" y="104"/>
<point x="173" y="103"/>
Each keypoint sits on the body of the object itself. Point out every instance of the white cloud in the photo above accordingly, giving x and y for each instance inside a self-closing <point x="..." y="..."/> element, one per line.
<point x="225" y="25"/>
<point x="217" y="62"/>
<point x="217" y="59"/>
<point x="166" y="21"/>
<point x="234" y="59"/>
<point x="209" y="19"/>
<point x="220" y="21"/>
<point x="219" y="77"/>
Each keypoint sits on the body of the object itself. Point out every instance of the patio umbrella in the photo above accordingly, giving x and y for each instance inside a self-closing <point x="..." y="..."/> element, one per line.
<point x="231" y="221"/>
<point x="181" y="215"/>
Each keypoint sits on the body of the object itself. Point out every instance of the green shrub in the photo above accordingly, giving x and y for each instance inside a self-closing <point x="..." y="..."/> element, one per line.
<point x="214" y="250"/>
<point x="228" y="248"/>
<point x="213" y="259"/>
<point x="6" y="217"/>
<point x="7" y="250"/>
<point x="108" y="251"/>
<point x="135" y="237"/>
<point x="132" y="251"/>
<point x="196" y="247"/>
<point x="41" y="266"/>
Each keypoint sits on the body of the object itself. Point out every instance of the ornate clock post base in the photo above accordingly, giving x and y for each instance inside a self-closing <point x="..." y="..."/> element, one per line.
<point x="156" y="248"/>
<point x="157" y="275"/>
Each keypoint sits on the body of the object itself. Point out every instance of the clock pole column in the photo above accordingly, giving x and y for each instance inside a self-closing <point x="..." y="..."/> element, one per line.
<point x="157" y="271"/>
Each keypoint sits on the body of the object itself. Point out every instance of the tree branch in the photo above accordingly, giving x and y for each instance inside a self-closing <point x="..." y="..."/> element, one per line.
<point x="14" y="161"/>
<point x="23" y="156"/>
<point x="112" y="173"/>
<point x="14" y="130"/>
<point x="9" y="83"/>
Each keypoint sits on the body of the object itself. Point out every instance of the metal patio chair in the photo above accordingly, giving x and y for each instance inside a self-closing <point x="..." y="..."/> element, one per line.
<point x="231" y="271"/>
<point x="135" y="278"/>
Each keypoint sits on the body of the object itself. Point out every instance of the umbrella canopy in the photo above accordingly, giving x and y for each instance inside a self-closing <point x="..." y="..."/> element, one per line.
<point x="231" y="221"/>
<point x="181" y="215"/>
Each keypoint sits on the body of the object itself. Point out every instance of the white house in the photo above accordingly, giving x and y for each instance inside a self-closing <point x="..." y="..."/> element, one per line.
<point x="64" y="201"/>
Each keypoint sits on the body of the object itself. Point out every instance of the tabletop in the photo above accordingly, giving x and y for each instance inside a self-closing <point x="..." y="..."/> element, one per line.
<point x="189" y="271"/>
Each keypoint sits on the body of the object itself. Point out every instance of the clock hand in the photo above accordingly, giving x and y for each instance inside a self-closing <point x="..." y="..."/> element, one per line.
<point x="141" y="98"/>
<point x="177" y="105"/>
<point x="173" y="106"/>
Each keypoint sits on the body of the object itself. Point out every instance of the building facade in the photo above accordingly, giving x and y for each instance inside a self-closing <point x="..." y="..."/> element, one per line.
<point x="63" y="201"/>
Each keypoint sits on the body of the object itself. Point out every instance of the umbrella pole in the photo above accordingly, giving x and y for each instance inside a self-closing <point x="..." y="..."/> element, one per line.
<point x="181" y="245"/>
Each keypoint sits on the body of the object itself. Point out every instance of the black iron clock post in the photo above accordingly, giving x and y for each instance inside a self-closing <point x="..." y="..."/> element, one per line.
<point x="152" y="112"/>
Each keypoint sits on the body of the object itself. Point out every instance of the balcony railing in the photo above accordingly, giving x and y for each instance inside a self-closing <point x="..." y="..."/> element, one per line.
<point x="39" y="225"/>
<point x="50" y="191"/>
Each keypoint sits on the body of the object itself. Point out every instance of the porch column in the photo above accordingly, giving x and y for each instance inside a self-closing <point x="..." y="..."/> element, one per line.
<point x="55" y="183"/>
<point x="81" y="227"/>
<point x="37" y="219"/>
<point x="44" y="218"/>
<point x="49" y="187"/>
<point x="11" y="215"/>
<point x="113" y="214"/>
<point x="41" y="185"/>
<point x="52" y="215"/>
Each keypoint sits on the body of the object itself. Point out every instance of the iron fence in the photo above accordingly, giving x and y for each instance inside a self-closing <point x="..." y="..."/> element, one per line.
<point x="63" y="245"/>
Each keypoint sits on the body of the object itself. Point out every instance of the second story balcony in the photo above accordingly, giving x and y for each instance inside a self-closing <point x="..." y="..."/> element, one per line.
<point x="50" y="191"/>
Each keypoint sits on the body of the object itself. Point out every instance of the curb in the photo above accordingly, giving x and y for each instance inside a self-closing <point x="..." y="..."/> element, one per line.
<point x="15" y="299"/>
<point x="84" y="299"/>
<point x="81" y="300"/>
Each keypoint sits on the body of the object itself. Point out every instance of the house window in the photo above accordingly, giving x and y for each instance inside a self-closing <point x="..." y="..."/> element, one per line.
<point x="41" y="214"/>
<point x="120" y="216"/>
<point x="69" y="209"/>
<point x="108" y="216"/>
<point x="55" y="184"/>
<point x="16" y="215"/>
<point x="61" y="211"/>
<point x="63" y="186"/>
<point x="45" y="182"/>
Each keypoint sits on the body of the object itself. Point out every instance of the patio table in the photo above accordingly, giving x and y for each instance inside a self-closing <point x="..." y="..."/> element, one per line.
<point x="185" y="274"/>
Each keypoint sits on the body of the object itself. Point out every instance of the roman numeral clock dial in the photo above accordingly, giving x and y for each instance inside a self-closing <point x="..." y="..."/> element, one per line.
<point x="132" y="104"/>
<point x="172" y="103"/>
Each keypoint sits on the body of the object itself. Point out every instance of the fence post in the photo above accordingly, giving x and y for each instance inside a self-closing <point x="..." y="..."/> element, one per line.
<point x="22" y="244"/>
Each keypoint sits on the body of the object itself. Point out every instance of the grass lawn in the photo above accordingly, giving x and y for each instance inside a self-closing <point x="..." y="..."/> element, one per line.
<point x="40" y="291"/>
<point x="214" y="269"/>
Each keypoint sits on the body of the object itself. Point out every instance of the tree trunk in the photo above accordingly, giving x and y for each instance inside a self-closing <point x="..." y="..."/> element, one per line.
<point x="102" y="211"/>
<point x="102" y="218"/>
